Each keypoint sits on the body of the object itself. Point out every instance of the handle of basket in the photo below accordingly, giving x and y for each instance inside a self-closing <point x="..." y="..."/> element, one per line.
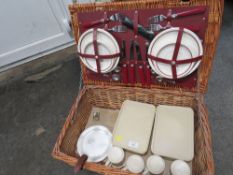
<point x="80" y="163"/>
<point x="190" y="12"/>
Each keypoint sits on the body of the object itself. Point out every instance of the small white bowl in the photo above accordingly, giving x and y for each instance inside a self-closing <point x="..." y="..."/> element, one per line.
<point x="135" y="164"/>
<point x="155" y="164"/>
<point x="116" y="155"/>
<point x="179" y="167"/>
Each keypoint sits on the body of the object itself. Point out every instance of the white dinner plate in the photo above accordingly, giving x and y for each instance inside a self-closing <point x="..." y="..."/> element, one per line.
<point x="107" y="45"/>
<point x="95" y="142"/>
<point x="163" y="46"/>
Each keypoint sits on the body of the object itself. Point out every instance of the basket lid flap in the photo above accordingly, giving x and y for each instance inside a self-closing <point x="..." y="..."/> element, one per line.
<point x="210" y="29"/>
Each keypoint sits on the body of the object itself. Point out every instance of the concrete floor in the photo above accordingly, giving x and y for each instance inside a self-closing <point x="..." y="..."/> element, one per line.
<point x="32" y="114"/>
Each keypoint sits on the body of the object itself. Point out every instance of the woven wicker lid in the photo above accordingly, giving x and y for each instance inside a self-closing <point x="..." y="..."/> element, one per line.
<point x="215" y="8"/>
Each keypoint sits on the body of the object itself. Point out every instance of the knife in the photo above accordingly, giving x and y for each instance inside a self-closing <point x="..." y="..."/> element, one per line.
<point x="138" y="51"/>
<point x="131" y="50"/>
<point x="123" y="54"/>
<point x="124" y="70"/>
<point x="114" y="17"/>
<point x="131" y="66"/>
<point x="148" y="71"/>
<point x="140" y="67"/>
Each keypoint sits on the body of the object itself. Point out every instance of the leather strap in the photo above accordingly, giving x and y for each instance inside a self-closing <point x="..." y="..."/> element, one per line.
<point x="96" y="50"/>
<point x="135" y="23"/>
<point x="185" y="61"/>
<point x="106" y="19"/>
<point x="177" y="62"/>
<point x="176" y="52"/>
<point x="159" y="59"/>
<point x="169" y="15"/>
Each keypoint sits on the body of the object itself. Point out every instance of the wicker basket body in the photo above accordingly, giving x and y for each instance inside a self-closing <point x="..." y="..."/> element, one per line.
<point x="111" y="95"/>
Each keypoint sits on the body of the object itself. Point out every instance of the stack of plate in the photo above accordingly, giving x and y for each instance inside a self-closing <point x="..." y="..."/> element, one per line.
<point x="163" y="46"/>
<point x="107" y="45"/>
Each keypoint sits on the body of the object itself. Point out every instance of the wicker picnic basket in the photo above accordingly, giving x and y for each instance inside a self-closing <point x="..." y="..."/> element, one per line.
<point x="111" y="95"/>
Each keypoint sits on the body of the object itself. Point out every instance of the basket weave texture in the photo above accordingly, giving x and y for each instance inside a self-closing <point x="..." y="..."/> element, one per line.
<point x="112" y="97"/>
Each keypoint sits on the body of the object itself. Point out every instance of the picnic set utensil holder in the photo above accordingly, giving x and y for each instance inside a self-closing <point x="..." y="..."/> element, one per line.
<point x="135" y="71"/>
<point x="100" y="91"/>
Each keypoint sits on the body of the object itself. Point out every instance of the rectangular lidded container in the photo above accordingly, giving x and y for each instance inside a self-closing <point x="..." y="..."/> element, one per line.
<point x="108" y="94"/>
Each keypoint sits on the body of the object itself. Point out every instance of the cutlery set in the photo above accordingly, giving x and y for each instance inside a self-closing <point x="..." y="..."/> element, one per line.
<point x="154" y="22"/>
<point x="136" y="64"/>
<point x="160" y="18"/>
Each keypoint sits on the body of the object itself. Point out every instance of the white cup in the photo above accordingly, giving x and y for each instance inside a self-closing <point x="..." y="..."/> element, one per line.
<point x="179" y="167"/>
<point x="135" y="164"/>
<point x="115" y="156"/>
<point x="155" y="164"/>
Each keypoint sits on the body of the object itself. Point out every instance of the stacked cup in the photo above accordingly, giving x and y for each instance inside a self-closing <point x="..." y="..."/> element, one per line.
<point x="135" y="163"/>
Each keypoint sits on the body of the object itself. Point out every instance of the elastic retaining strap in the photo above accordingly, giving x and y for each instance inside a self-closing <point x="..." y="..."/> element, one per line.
<point x="96" y="50"/>
<point x="176" y="52"/>
<point x="135" y="23"/>
<point x="106" y="19"/>
<point x="177" y="62"/>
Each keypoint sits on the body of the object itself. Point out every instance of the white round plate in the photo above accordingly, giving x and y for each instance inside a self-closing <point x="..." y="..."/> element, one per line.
<point x="163" y="46"/>
<point x="95" y="142"/>
<point x="107" y="45"/>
